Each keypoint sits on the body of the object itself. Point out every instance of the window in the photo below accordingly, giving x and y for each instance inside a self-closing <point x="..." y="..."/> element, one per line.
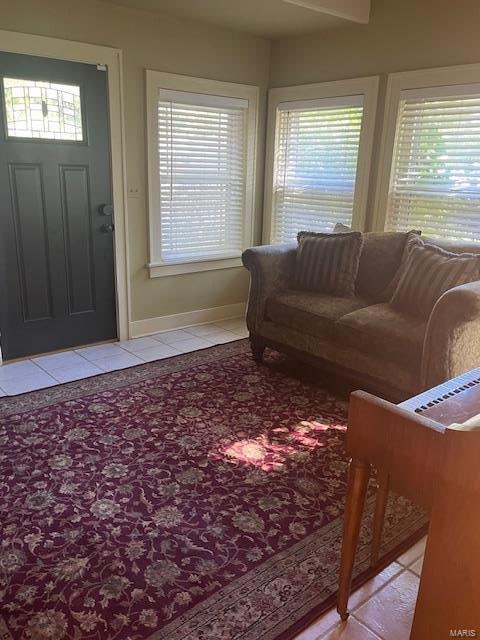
<point x="42" y="110"/>
<point x="432" y="152"/>
<point x="318" y="172"/>
<point x="315" y="165"/>
<point x="201" y="172"/>
<point x="435" y="182"/>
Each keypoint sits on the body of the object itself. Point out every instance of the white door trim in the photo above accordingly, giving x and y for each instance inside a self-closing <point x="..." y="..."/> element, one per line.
<point x="14" y="42"/>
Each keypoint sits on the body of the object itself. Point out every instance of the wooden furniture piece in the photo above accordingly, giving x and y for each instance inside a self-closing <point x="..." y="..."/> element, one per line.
<point x="448" y="602"/>
<point x="416" y="455"/>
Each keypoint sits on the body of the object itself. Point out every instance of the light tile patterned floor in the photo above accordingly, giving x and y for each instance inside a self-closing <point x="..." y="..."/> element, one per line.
<point x="49" y="370"/>
<point x="382" y="609"/>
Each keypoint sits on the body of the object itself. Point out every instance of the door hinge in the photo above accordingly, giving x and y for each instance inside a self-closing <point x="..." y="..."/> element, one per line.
<point x="101" y="67"/>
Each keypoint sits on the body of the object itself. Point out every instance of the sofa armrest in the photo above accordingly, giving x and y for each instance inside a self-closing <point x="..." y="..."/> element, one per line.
<point x="271" y="267"/>
<point x="452" y="340"/>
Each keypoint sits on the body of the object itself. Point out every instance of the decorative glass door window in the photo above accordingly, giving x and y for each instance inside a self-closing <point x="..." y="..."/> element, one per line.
<point x="42" y="110"/>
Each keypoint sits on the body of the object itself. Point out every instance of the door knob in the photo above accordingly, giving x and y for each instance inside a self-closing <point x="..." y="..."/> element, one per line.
<point x="107" y="228"/>
<point x="106" y="210"/>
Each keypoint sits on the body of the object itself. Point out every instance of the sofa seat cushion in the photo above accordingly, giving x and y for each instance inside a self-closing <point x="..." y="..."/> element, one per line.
<point x="311" y="313"/>
<point x="383" y="331"/>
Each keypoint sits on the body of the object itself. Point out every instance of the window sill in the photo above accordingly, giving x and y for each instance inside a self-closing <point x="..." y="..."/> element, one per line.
<point x="158" y="270"/>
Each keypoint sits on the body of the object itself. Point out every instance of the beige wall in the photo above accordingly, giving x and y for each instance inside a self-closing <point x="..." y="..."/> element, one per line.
<point x="163" y="43"/>
<point x="402" y="35"/>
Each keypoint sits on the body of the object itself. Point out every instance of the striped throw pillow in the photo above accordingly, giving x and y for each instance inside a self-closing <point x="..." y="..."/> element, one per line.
<point x="328" y="263"/>
<point x="428" y="272"/>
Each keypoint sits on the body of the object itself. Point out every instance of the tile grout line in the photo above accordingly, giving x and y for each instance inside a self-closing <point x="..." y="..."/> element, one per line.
<point x="52" y="373"/>
<point x="40" y="369"/>
<point x="387" y="582"/>
<point x="237" y="334"/>
<point x="407" y="566"/>
<point x="365" y="626"/>
<point x="364" y="623"/>
<point x="360" y="604"/>
<point x="88" y="362"/>
<point x="27" y="375"/>
<point x="374" y="593"/>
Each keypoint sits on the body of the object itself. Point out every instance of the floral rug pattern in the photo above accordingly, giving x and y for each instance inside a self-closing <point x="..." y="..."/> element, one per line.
<point x="198" y="498"/>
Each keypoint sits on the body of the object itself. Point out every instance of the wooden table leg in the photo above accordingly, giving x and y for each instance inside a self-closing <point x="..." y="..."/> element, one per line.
<point x="358" y="475"/>
<point x="380" y="506"/>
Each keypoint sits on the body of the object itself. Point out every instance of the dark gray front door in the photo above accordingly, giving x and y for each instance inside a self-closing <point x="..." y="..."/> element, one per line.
<point x="56" y="223"/>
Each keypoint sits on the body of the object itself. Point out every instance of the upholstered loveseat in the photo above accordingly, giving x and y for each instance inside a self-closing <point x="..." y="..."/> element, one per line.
<point x="363" y="338"/>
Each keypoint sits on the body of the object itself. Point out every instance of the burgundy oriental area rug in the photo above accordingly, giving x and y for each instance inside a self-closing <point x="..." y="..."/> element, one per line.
<point x="195" y="498"/>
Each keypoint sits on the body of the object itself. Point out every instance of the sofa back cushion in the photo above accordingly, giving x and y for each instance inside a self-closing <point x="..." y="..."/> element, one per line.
<point x="428" y="272"/>
<point x="381" y="256"/>
<point x="454" y="246"/>
<point x="328" y="263"/>
<point x="410" y="241"/>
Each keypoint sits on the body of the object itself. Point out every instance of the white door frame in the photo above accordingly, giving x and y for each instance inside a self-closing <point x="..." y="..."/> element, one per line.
<point x="14" y="42"/>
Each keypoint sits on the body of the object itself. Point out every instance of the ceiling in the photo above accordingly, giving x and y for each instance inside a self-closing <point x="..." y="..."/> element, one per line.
<point x="267" y="18"/>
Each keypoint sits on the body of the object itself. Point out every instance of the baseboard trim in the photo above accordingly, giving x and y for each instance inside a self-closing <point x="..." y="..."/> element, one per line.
<point x="139" y="328"/>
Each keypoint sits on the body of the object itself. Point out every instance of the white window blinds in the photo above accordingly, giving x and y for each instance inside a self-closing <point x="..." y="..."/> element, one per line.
<point x="435" y="177"/>
<point x="202" y="165"/>
<point x="315" y="166"/>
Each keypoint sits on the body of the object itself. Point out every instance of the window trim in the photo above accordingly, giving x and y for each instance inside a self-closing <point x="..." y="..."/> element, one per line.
<point x="156" y="80"/>
<point x="366" y="86"/>
<point x="439" y="77"/>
